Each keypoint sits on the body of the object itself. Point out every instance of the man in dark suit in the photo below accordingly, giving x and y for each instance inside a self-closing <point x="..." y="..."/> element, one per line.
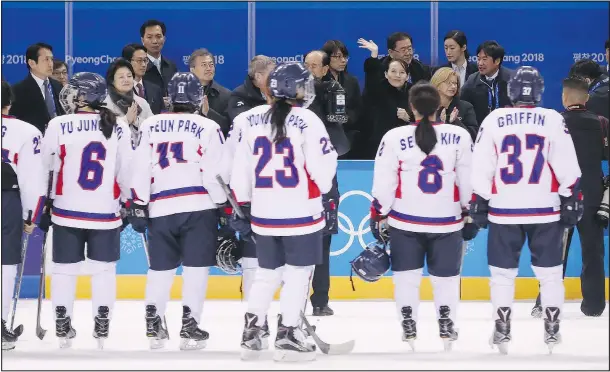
<point x="37" y="96"/>
<point x="216" y="100"/>
<point x="137" y="55"/>
<point x="487" y="89"/>
<point x="160" y="70"/>
<point x="598" y="82"/>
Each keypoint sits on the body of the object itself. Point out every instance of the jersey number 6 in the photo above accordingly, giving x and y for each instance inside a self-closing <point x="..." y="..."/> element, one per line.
<point x="91" y="170"/>
<point x="266" y="150"/>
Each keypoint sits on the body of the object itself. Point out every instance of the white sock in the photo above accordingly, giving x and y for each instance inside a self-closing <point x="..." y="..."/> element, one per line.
<point x="194" y="288"/>
<point x="158" y="286"/>
<point x="63" y="286"/>
<point x="552" y="290"/>
<point x="446" y="293"/>
<point x="103" y="285"/>
<point x="249" y="266"/>
<point x="9" y="274"/>
<point x="294" y="293"/>
<point x="406" y="290"/>
<point x="262" y="291"/>
<point x="502" y="286"/>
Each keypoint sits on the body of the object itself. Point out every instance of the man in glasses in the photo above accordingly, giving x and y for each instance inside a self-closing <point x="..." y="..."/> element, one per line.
<point x="136" y="54"/>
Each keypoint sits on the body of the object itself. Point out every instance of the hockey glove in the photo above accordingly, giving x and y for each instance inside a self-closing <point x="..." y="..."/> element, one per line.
<point x="572" y="209"/>
<point x="331" y="214"/>
<point x="479" y="210"/>
<point x="224" y="215"/>
<point x="137" y="215"/>
<point x="123" y="212"/>
<point x="242" y="226"/>
<point x="45" y="218"/>
<point x="470" y="229"/>
<point x="379" y="225"/>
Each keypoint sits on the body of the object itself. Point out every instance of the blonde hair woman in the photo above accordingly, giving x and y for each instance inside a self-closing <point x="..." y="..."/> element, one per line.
<point x="452" y="109"/>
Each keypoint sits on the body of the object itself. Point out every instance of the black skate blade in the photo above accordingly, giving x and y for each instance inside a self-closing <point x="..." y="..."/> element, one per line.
<point x="329" y="349"/>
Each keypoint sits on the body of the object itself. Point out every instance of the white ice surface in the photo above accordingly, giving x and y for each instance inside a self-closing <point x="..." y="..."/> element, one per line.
<point x="372" y="324"/>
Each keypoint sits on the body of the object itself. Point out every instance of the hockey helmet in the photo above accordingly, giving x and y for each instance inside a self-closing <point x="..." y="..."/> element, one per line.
<point x="228" y="253"/>
<point x="292" y="81"/>
<point x="84" y="88"/>
<point x="185" y="88"/>
<point x="372" y="263"/>
<point x="526" y="86"/>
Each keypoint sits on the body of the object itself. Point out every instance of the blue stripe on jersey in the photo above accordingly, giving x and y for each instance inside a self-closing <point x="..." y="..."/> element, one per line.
<point x="518" y="212"/>
<point x="86" y="216"/>
<point x="425" y="220"/>
<point x="173" y="193"/>
<point x="285" y="222"/>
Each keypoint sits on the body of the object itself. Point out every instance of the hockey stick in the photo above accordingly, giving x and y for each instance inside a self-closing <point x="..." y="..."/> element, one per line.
<point x="330" y="349"/>
<point x="145" y="241"/>
<point x="40" y="332"/>
<point x="233" y="202"/>
<point x="17" y="291"/>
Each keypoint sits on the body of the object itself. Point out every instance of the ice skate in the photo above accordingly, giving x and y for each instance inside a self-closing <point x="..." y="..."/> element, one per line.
<point x="156" y="333"/>
<point x="8" y="338"/>
<point x="63" y="327"/>
<point x="409" y="328"/>
<point x="101" y="327"/>
<point x="552" y="336"/>
<point x="254" y="338"/>
<point x="446" y="331"/>
<point x="501" y="334"/>
<point x="291" y="346"/>
<point x="537" y="309"/>
<point x="191" y="337"/>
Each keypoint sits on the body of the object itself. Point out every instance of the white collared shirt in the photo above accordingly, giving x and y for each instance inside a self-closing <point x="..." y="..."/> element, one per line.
<point x="40" y="83"/>
<point x="461" y="70"/>
<point x="155" y="61"/>
<point x="488" y="78"/>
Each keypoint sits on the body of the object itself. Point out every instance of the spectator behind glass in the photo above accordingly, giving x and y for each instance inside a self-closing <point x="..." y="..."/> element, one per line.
<point x="487" y="89"/>
<point x="452" y="109"/>
<point x="160" y="70"/>
<point x="137" y="55"/>
<point x="388" y="97"/>
<point x="456" y="51"/>
<point x="248" y="95"/>
<point x="60" y="71"/>
<point x="216" y="98"/>
<point x="339" y="56"/>
<point x="598" y="85"/>
<point x="121" y="99"/>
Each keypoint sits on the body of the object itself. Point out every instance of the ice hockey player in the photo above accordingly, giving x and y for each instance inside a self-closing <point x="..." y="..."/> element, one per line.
<point x="176" y="195"/>
<point x="90" y="148"/>
<point x="525" y="185"/>
<point x="283" y="164"/>
<point x="23" y="190"/>
<point x="421" y="189"/>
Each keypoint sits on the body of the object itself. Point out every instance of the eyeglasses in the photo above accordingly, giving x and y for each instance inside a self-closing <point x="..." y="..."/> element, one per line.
<point x="450" y="83"/>
<point x="208" y="65"/>
<point x="60" y="73"/>
<point x="404" y="50"/>
<point x="143" y="61"/>
<point x="339" y="56"/>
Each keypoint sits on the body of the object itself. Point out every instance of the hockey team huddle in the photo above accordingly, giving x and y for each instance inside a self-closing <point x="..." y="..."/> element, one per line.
<point x="253" y="202"/>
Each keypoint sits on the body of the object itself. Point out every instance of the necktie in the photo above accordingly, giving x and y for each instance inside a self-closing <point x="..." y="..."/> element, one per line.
<point x="158" y="64"/>
<point x="48" y="99"/>
<point x="140" y="89"/>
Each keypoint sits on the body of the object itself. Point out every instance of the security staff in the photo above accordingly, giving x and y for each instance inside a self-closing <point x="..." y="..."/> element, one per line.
<point x="588" y="131"/>
<point x="598" y="83"/>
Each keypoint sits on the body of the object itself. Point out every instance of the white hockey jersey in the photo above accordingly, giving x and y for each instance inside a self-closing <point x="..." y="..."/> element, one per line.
<point x="92" y="171"/>
<point x="230" y="145"/>
<point x="419" y="192"/>
<point x="283" y="181"/>
<point x="523" y="159"/>
<point x="176" y="164"/>
<point x="21" y="150"/>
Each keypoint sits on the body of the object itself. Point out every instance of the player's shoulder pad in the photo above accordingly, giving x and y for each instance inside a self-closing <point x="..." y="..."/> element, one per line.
<point x="28" y="129"/>
<point x="309" y="117"/>
<point x="457" y="130"/>
<point x="394" y="135"/>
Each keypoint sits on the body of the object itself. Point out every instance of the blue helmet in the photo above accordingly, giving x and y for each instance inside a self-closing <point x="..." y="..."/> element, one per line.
<point x="526" y="86"/>
<point x="83" y="89"/>
<point x="372" y="263"/>
<point x="185" y="88"/>
<point x="292" y="81"/>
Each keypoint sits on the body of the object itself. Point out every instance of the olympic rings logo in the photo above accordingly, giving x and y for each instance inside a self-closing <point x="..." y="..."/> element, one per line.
<point x="363" y="226"/>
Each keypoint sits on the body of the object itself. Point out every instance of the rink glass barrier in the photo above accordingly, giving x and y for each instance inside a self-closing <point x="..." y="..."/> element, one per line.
<point x="355" y="183"/>
<point x="88" y="44"/>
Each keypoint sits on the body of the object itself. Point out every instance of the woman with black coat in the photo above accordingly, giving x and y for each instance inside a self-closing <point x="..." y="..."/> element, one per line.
<point x="453" y="110"/>
<point x="389" y="96"/>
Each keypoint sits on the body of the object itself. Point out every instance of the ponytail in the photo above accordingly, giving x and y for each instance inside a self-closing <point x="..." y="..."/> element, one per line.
<point x="107" y="118"/>
<point x="279" y="112"/>
<point x="425" y="135"/>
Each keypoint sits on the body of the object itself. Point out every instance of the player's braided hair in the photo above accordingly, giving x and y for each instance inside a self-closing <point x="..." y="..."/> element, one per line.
<point x="425" y="99"/>
<point x="107" y="118"/>
<point x="279" y="112"/>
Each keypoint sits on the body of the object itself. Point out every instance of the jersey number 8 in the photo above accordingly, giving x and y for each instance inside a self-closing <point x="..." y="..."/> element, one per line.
<point x="430" y="180"/>
<point x="266" y="150"/>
